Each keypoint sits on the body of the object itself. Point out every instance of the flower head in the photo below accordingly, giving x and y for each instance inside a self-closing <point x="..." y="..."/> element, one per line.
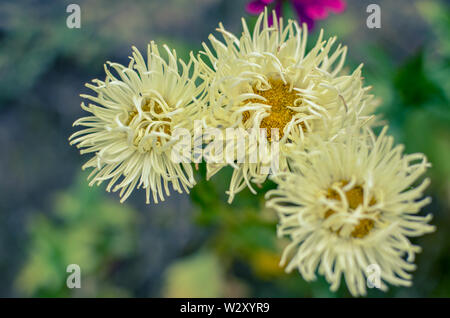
<point x="267" y="79"/>
<point x="307" y="10"/>
<point x="349" y="204"/>
<point x="131" y="124"/>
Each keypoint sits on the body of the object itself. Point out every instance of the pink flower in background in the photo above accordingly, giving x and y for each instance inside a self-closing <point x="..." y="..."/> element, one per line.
<point x="307" y="10"/>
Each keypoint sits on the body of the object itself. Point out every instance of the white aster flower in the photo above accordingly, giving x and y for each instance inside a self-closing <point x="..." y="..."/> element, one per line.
<point x="349" y="204"/>
<point x="267" y="79"/>
<point x="129" y="132"/>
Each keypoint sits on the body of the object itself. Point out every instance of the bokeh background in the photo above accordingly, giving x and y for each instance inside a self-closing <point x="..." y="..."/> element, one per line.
<point x="195" y="245"/>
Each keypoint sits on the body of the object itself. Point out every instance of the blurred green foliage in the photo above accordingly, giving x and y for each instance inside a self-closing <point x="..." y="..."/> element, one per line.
<point x="86" y="229"/>
<point x="199" y="275"/>
<point x="416" y="96"/>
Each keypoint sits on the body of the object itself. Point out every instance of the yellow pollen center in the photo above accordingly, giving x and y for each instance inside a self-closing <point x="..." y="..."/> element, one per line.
<point x="355" y="198"/>
<point x="146" y="108"/>
<point x="279" y="96"/>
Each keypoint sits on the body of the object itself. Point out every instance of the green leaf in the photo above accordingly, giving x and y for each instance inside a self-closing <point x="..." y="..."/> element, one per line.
<point x="414" y="85"/>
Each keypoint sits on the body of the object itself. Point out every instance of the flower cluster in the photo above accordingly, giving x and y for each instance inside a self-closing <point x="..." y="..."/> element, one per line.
<point x="346" y="198"/>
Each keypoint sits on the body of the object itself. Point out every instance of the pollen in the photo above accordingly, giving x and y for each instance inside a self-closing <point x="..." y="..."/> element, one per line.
<point x="279" y="97"/>
<point x="355" y="198"/>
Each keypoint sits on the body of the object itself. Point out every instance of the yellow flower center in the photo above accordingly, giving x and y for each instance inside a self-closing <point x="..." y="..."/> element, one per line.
<point x="146" y="109"/>
<point x="279" y="96"/>
<point x="355" y="198"/>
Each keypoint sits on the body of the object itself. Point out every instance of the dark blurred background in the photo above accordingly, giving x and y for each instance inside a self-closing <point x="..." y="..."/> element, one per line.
<point x="193" y="245"/>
